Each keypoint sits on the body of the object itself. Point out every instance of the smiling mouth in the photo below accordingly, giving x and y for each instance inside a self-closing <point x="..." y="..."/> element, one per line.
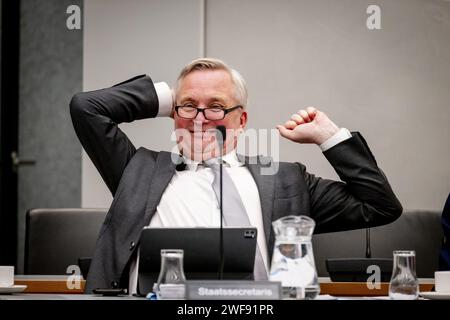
<point x="203" y="131"/>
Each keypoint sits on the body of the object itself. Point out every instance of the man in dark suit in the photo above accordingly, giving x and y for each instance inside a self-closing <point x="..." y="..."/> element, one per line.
<point x="152" y="188"/>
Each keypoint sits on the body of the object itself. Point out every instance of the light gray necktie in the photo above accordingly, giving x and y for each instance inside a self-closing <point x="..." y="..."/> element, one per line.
<point x="234" y="213"/>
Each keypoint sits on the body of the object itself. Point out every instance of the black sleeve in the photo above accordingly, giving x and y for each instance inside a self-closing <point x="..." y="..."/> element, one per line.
<point x="364" y="198"/>
<point x="96" y="116"/>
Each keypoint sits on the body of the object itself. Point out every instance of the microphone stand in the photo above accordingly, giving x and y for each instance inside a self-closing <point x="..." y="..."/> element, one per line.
<point x="355" y="269"/>
<point x="368" y="250"/>
<point x="221" y="261"/>
<point x="221" y="135"/>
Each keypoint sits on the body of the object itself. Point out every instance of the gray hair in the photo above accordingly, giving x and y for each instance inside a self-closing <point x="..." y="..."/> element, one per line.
<point x="203" y="64"/>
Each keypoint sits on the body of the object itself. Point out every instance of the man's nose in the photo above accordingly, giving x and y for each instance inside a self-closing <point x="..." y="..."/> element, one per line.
<point x="200" y="117"/>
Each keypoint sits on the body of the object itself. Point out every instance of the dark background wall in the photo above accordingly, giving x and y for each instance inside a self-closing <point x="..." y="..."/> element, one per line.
<point x="50" y="73"/>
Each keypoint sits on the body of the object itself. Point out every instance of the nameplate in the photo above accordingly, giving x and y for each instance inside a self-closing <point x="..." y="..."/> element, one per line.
<point x="233" y="290"/>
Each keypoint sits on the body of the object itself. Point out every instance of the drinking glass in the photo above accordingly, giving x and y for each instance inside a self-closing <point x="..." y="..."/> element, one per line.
<point x="404" y="284"/>
<point x="171" y="280"/>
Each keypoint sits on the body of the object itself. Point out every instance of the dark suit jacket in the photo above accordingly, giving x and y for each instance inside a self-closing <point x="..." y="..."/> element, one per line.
<point x="137" y="179"/>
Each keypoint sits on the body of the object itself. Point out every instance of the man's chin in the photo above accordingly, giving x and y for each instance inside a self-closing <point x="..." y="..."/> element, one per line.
<point x="197" y="153"/>
<point x="203" y="146"/>
<point x="199" y="157"/>
<point x="202" y="150"/>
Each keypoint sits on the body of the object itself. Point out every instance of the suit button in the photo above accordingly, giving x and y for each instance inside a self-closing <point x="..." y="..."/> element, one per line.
<point x="132" y="245"/>
<point x="114" y="284"/>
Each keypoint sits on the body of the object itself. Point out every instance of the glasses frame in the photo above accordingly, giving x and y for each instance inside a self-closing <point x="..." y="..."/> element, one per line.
<point x="202" y="110"/>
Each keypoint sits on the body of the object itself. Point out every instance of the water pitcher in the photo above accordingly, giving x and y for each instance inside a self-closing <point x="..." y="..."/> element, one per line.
<point x="293" y="258"/>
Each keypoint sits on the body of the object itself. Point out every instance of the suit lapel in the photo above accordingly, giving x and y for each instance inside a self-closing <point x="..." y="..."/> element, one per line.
<point x="162" y="174"/>
<point x="266" y="188"/>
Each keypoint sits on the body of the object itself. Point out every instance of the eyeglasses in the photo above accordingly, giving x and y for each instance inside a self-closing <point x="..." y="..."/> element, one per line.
<point x="214" y="113"/>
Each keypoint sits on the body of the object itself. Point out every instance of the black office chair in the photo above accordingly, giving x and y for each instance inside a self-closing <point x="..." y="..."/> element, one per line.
<point x="58" y="238"/>
<point x="418" y="230"/>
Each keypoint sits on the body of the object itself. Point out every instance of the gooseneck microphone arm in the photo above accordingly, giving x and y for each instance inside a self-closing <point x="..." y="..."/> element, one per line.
<point x="221" y="135"/>
<point x="368" y="250"/>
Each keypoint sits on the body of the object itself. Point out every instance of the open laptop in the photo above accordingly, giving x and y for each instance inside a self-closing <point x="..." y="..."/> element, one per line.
<point x="201" y="253"/>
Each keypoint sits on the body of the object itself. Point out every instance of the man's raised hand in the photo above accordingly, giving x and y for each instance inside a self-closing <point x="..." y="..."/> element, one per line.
<point x="308" y="126"/>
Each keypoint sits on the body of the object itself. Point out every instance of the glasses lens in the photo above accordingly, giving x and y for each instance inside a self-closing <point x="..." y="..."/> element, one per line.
<point x="187" y="112"/>
<point x="214" y="113"/>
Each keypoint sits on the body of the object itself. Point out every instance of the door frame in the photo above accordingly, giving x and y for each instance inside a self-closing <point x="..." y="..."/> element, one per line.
<point x="9" y="116"/>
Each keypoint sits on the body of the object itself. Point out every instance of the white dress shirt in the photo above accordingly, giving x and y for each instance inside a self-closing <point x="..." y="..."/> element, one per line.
<point x="189" y="199"/>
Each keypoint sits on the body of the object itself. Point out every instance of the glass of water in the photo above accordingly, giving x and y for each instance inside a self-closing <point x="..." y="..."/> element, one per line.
<point x="404" y="284"/>
<point x="171" y="279"/>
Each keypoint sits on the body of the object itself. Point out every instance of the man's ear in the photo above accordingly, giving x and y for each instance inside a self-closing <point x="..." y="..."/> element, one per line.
<point x="174" y="102"/>
<point x="243" y="119"/>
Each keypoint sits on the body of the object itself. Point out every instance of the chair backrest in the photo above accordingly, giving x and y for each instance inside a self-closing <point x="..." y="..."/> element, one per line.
<point x="57" y="238"/>
<point x="414" y="230"/>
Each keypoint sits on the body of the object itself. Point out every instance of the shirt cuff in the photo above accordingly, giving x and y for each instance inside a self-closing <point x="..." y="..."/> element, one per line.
<point x="342" y="135"/>
<point x="165" y="99"/>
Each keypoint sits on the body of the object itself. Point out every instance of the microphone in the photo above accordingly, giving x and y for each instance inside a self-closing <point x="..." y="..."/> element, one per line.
<point x="356" y="269"/>
<point x="221" y="136"/>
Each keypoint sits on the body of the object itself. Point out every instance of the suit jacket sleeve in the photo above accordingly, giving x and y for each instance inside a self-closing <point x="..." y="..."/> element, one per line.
<point x="363" y="199"/>
<point x="96" y="116"/>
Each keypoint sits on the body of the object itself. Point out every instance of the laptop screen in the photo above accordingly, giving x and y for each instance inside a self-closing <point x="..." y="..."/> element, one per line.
<point x="201" y="253"/>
